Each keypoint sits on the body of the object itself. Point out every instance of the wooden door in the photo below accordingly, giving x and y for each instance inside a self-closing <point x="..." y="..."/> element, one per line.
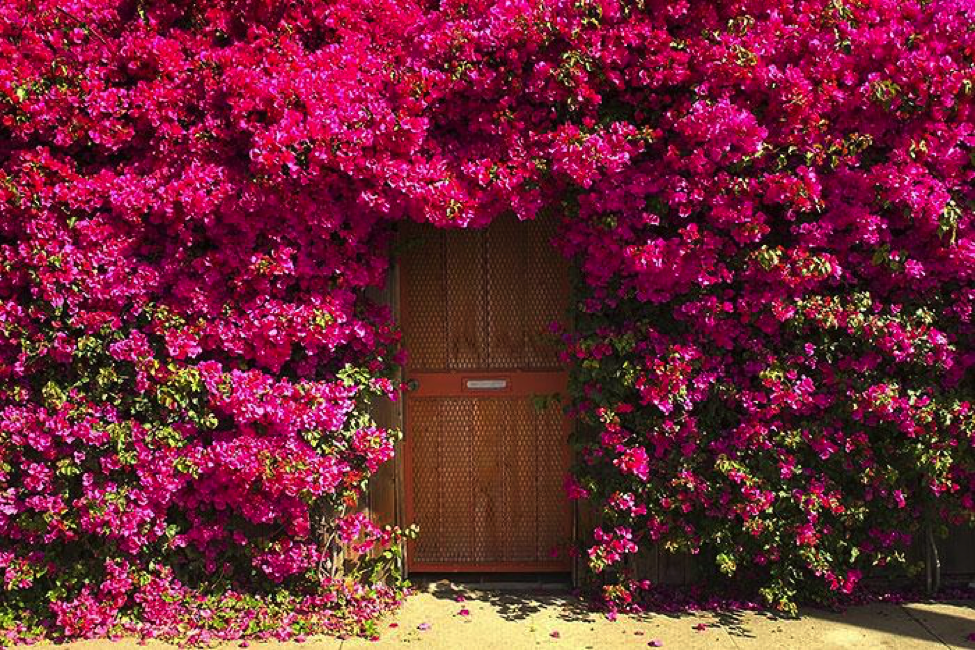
<point x="486" y="443"/>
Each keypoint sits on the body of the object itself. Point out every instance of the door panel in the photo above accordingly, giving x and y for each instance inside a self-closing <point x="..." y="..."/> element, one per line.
<point x="464" y="272"/>
<point x="507" y="268"/>
<point x="546" y="296"/>
<point x="425" y="318"/>
<point x="488" y="461"/>
<point x="456" y="499"/>
<point x="521" y="497"/>
<point x="425" y="441"/>
<point x="484" y="464"/>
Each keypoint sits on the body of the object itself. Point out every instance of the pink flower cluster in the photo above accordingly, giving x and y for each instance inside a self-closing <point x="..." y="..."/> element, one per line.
<point x="170" y="611"/>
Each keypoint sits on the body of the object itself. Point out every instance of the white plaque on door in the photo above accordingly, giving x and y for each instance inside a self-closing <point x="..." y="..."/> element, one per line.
<point x="486" y="384"/>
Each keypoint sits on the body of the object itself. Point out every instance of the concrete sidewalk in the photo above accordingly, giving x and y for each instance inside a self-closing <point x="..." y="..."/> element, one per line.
<point x="512" y="620"/>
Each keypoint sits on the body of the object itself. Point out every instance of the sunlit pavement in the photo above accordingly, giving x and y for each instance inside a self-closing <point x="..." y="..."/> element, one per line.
<point x="450" y="617"/>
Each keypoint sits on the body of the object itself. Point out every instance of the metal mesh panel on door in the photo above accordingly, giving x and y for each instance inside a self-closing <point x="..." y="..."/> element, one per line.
<point x="547" y="295"/>
<point x="425" y="439"/>
<point x="456" y="505"/>
<point x="488" y="484"/>
<point x="424" y="315"/>
<point x="521" y="497"/>
<point x="507" y="275"/>
<point x="551" y="465"/>
<point x="466" y="318"/>
<point x="488" y="515"/>
<point x="483" y="299"/>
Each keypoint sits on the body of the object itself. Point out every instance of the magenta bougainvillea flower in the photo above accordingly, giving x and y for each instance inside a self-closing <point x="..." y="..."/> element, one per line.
<point x="769" y="205"/>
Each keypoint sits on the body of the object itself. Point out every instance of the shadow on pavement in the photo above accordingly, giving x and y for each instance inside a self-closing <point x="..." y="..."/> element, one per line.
<point x="516" y="601"/>
<point x="945" y="622"/>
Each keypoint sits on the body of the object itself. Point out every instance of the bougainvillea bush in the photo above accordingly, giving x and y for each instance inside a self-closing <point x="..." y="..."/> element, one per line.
<point x="770" y="205"/>
<point x="185" y="356"/>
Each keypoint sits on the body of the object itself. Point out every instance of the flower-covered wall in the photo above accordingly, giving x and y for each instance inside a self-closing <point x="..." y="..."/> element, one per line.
<point x="770" y="205"/>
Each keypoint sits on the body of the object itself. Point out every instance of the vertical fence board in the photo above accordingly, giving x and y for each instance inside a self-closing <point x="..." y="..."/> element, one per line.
<point x="957" y="552"/>
<point x="385" y="501"/>
<point x="382" y="485"/>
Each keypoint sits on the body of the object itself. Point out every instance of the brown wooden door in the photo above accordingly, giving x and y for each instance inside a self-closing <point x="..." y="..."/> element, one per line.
<point x="486" y="446"/>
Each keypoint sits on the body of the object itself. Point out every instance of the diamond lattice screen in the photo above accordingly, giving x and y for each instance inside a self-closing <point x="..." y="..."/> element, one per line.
<point x="482" y="299"/>
<point x="487" y="481"/>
